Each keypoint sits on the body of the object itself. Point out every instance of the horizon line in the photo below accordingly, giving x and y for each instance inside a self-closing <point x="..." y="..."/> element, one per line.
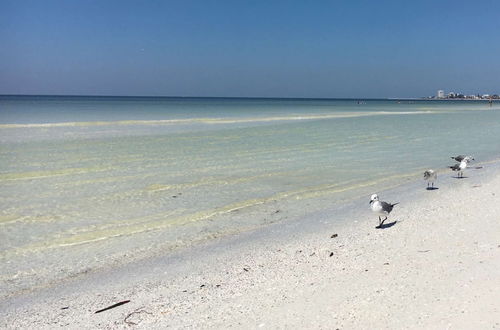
<point x="220" y="97"/>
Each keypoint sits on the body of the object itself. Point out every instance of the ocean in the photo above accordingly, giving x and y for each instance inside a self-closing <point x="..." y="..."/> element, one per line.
<point x="94" y="182"/>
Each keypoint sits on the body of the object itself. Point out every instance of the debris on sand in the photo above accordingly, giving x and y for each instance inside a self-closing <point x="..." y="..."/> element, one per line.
<point x="113" y="306"/>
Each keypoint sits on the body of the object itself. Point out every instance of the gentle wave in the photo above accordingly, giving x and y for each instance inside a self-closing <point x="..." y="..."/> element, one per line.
<point x="213" y="181"/>
<point x="14" y="218"/>
<point x="10" y="218"/>
<point x="216" y="120"/>
<point x="47" y="174"/>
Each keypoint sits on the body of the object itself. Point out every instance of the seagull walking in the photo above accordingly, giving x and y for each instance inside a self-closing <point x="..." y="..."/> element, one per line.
<point x="430" y="176"/>
<point x="380" y="208"/>
<point x="460" y="167"/>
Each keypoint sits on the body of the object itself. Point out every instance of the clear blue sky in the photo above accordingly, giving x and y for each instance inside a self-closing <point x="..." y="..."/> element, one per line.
<point x="249" y="48"/>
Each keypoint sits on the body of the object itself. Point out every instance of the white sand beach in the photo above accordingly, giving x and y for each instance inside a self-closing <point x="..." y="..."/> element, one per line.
<point x="210" y="165"/>
<point x="437" y="267"/>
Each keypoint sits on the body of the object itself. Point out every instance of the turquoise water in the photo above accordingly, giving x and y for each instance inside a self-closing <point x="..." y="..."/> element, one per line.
<point x="89" y="182"/>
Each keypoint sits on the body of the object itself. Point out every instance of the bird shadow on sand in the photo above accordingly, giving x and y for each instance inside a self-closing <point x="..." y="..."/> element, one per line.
<point x="432" y="188"/>
<point x="387" y="225"/>
<point x="459" y="177"/>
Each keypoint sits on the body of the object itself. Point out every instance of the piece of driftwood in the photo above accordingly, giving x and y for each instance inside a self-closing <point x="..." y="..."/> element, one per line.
<point x="113" y="306"/>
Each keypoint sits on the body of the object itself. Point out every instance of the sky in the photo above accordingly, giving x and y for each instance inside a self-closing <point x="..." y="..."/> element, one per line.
<point x="330" y="49"/>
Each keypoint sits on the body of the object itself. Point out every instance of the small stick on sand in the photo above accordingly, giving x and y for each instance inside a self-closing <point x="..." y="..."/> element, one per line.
<point x="113" y="306"/>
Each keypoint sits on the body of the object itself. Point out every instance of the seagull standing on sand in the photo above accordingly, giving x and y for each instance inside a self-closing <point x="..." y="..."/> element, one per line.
<point x="430" y="176"/>
<point x="380" y="208"/>
<point x="460" y="167"/>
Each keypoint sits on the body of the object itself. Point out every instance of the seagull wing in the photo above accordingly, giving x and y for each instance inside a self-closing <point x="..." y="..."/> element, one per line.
<point x="387" y="207"/>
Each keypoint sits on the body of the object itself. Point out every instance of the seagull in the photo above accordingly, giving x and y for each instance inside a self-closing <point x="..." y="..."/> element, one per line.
<point x="459" y="158"/>
<point x="381" y="208"/>
<point x="460" y="167"/>
<point x="430" y="176"/>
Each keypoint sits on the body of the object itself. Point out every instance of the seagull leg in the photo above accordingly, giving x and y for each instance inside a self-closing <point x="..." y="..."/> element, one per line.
<point x="382" y="222"/>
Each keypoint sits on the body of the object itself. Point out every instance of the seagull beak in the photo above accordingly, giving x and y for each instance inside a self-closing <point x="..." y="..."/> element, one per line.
<point x="370" y="202"/>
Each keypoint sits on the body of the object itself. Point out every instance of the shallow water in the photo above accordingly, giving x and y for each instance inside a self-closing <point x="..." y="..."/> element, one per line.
<point x="89" y="182"/>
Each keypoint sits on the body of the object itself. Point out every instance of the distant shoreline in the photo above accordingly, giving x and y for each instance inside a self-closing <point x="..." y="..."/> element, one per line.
<point x="450" y="99"/>
<point x="238" y="97"/>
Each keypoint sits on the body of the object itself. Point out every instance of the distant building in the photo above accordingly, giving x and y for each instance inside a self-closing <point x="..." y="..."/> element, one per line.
<point x="452" y="95"/>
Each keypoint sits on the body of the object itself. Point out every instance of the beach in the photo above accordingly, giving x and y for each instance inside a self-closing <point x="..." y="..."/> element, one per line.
<point x="218" y="213"/>
<point x="436" y="267"/>
<point x="218" y="165"/>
